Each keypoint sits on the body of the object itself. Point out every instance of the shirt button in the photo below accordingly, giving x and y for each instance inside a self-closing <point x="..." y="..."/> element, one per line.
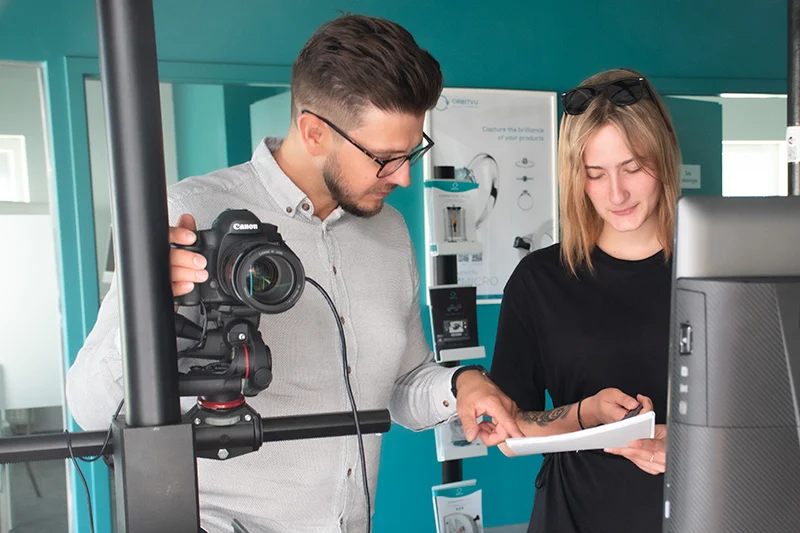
<point x="349" y="370"/>
<point x="288" y="209"/>
<point x="349" y="472"/>
<point x="334" y="270"/>
<point x="341" y="319"/>
<point x="305" y="207"/>
<point x="446" y="403"/>
<point x="341" y="521"/>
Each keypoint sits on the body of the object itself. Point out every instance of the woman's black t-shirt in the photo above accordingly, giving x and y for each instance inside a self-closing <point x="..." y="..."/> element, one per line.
<point x="574" y="337"/>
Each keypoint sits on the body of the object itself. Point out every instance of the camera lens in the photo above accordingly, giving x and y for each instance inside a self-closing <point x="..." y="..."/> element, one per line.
<point x="270" y="280"/>
<point x="262" y="276"/>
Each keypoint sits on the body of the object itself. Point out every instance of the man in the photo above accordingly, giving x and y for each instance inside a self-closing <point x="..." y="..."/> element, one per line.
<point x="360" y="90"/>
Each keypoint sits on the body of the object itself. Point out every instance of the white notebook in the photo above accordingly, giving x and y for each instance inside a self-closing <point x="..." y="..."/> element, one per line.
<point x="614" y="435"/>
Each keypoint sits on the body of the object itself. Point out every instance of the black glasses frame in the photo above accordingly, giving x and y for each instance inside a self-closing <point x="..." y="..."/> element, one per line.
<point x="602" y="89"/>
<point x="412" y="157"/>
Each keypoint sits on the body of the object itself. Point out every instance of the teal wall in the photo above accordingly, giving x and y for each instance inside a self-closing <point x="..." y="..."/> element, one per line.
<point x="238" y="101"/>
<point x="685" y="47"/>
<point x="212" y="124"/>
<point x="200" y="134"/>
<point x="698" y="126"/>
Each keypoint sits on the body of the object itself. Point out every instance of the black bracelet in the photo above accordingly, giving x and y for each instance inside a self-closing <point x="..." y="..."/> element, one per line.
<point x="458" y="372"/>
<point x="580" y="423"/>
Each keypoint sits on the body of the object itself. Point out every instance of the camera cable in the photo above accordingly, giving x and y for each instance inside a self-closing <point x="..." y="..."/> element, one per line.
<point x="343" y="345"/>
<point x="351" y="397"/>
<point x="91" y="460"/>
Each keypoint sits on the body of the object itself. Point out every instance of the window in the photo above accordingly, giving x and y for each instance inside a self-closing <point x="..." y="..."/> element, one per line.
<point x="754" y="168"/>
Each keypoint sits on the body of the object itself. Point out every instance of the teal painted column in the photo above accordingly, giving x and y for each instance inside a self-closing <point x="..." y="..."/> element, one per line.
<point x="200" y="134"/>
<point x="73" y="216"/>
<point x="238" y="99"/>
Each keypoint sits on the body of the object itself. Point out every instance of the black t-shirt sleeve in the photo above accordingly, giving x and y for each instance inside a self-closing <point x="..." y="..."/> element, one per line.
<point x="516" y="364"/>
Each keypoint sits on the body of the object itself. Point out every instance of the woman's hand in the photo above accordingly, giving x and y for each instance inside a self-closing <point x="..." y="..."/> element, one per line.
<point x="608" y="405"/>
<point x="648" y="454"/>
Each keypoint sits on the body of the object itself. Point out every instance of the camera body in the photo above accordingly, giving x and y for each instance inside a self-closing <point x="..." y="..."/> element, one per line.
<point x="249" y="265"/>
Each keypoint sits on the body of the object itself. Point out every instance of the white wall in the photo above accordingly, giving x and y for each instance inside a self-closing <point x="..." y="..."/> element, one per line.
<point x="754" y="160"/>
<point x="30" y="317"/>
<point x="101" y="176"/>
<point x="270" y="117"/>
<point x="750" y="119"/>
<point x="753" y="119"/>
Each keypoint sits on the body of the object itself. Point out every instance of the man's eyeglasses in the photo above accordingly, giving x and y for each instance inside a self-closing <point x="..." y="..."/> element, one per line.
<point x="386" y="166"/>
<point x="621" y="92"/>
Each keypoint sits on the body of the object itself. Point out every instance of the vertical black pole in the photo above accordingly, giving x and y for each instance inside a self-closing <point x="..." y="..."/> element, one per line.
<point x="162" y="496"/>
<point x="129" y="71"/>
<point x="447" y="274"/>
<point x="446" y="270"/>
<point x="793" y="92"/>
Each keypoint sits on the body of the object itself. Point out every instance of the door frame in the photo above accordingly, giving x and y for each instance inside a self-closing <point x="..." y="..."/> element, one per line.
<point x="76" y="235"/>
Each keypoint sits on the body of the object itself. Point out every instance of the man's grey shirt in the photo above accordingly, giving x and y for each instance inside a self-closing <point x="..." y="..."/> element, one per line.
<point x="369" y="269"/>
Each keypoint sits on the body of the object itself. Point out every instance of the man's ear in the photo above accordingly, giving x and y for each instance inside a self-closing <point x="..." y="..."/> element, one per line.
<point x="315" y="134"/>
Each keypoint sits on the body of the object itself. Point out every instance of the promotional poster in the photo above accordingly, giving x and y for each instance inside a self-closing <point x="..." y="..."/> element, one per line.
<point x="504" y="142"/>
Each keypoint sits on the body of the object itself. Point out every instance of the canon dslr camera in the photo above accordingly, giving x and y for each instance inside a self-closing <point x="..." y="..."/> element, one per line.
<point x="248" y="264"/>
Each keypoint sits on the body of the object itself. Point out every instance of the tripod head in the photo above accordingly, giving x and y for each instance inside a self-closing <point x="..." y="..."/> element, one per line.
<point x="241" y="365"/>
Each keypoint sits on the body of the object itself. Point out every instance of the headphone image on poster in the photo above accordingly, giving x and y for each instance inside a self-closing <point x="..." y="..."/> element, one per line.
<point x="484" y="171"/>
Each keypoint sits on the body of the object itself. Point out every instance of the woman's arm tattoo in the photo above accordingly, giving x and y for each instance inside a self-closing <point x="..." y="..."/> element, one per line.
<point x="543" y="418"/>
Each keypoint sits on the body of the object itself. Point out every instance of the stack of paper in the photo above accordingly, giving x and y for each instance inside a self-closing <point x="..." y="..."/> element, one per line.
<point x="614" y="435"/>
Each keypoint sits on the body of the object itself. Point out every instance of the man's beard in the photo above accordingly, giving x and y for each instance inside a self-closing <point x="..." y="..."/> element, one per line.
<point x="334" y="180"/>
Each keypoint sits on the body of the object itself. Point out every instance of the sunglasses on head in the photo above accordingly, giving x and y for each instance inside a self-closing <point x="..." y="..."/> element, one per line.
<point x="620" y="92"/>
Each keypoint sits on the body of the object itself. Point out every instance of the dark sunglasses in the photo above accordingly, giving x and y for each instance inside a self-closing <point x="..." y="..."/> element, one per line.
<point x="386" y="167"/>
<point x="621" y="92"/>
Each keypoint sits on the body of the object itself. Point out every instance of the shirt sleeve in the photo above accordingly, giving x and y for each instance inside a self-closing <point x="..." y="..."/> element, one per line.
<point x="94" y="381"/>
<point x="94" y="384"/>
<point x="421" y="397"/>
<point x="517" y="363"/>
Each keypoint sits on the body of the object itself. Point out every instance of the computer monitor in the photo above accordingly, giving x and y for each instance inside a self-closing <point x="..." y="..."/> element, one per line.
<point x="733" y="438"/>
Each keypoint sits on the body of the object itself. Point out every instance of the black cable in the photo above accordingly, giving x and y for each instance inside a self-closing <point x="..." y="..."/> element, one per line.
<point x="350" y="395"/>
<point x="85" y="485"/>
<point x="198" y="342"/>
<point x="91" y="460"/>
<point x="352" y="399"/>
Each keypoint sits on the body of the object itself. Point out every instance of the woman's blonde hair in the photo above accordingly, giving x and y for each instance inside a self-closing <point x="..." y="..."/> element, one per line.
<point x="652" y="143"/>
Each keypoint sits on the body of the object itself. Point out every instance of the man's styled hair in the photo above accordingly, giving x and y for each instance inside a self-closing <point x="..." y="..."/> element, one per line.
<point x="355" y="61"/>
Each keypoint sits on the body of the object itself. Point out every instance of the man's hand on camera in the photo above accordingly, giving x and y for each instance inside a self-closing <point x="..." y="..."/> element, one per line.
<point x="478" y="396"/>
<point x="186" y="268"/>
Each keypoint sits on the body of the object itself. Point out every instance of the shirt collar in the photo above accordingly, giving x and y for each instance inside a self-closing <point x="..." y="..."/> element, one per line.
<point x="280" y="187"/>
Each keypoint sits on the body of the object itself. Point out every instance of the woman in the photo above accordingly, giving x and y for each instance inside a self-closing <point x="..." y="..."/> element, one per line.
<point x="587" y="320"/>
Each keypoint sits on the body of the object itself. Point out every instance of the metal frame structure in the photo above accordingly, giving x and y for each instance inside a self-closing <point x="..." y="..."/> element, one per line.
<point x="154" y="451"/>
